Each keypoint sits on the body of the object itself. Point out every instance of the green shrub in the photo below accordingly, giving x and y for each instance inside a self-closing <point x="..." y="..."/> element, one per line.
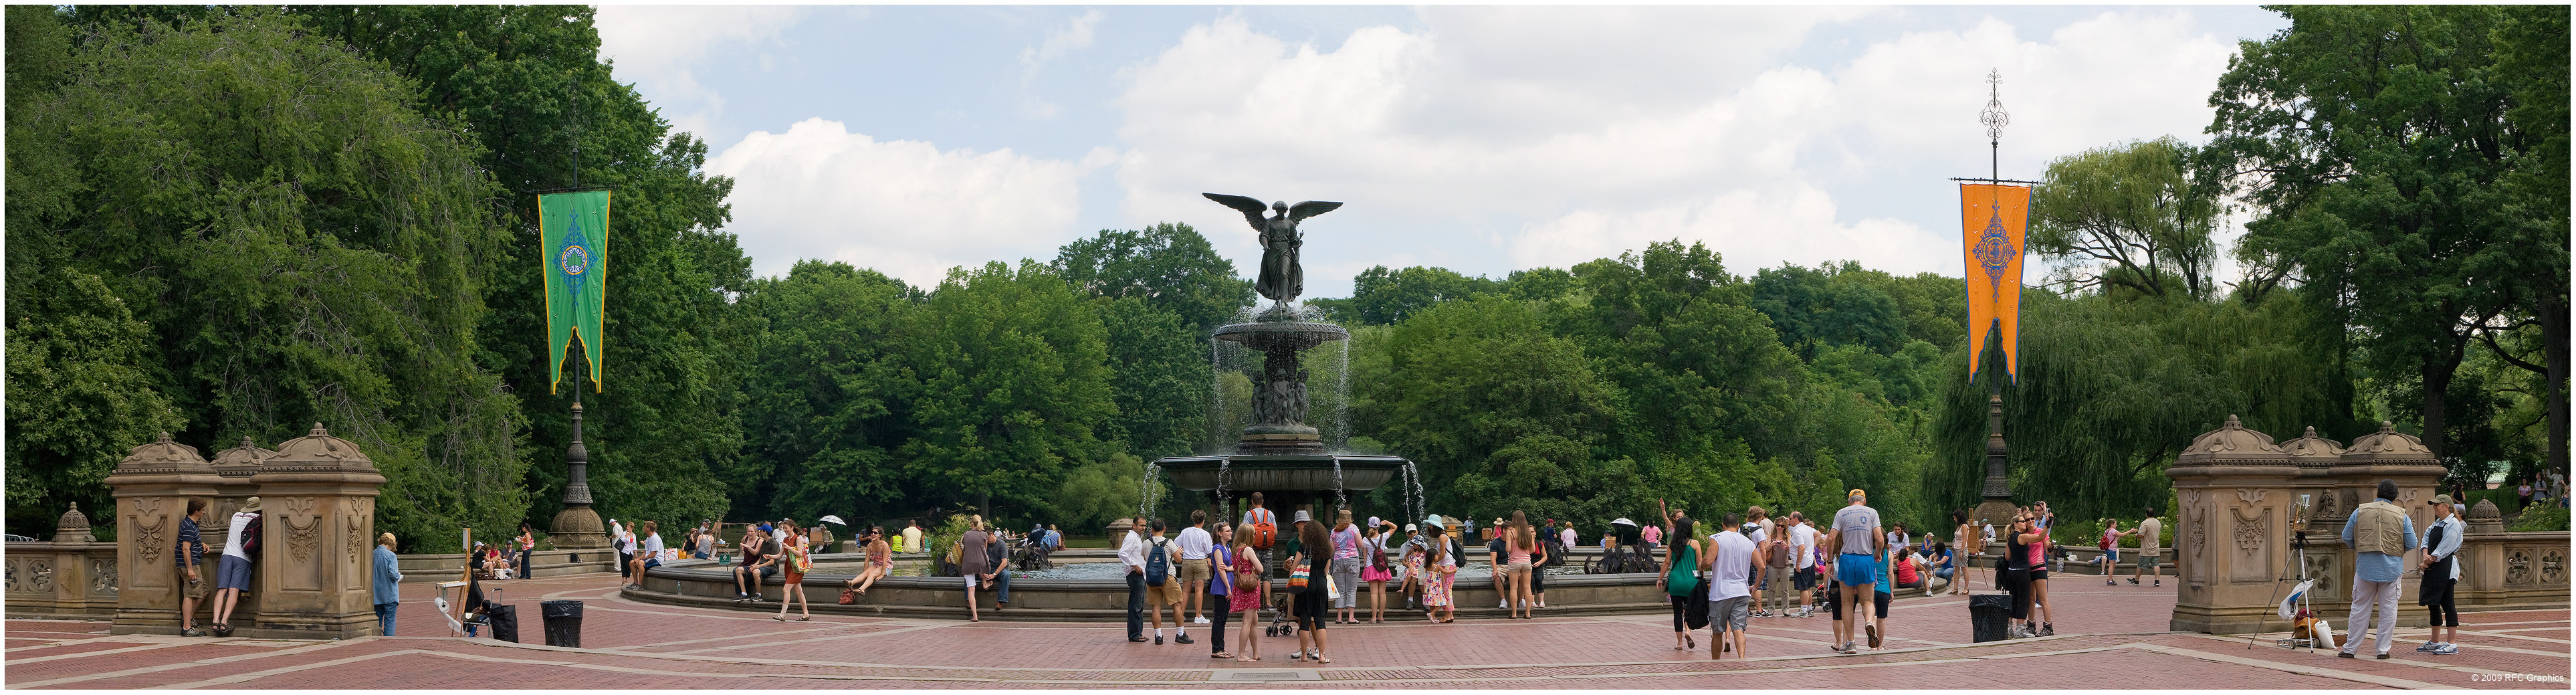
<point x="2541" y="518"/>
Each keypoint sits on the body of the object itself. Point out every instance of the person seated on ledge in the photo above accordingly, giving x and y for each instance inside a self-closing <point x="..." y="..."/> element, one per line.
<point x="880" y="560"/>
<point x="648" y="554"/>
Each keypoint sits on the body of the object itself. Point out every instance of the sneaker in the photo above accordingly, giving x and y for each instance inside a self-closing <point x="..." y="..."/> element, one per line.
<point x="2429" y="646"/>
<point x="2047" y="629"/>
<point x="2020" y="632"/>
<point x="2107" y="582"/>
<point x="2133" y="581"/>
<point x="1849" y="648"/>
<point x="191" y="632"/>
<point x="2383" y="656"/>
<point x="2343" y="655"/>
<point x="1184" y="639"/>
<point x="2160" y="582"/>
<point x="1761" y="614"/>
<point x="1504" y="605"/>
<point x="1158" y="639"/>
<point x="1202" y="620"/>
<point x="2447" y="649"/>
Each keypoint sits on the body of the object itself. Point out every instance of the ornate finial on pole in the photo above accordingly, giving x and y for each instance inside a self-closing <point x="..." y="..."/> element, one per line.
<point x="1995" y="118"/>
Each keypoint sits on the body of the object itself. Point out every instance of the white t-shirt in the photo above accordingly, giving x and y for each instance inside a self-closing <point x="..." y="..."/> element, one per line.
<point x="233" y="540"/>
<point x="1733" y="566"/>
<point x="1803" y="538"/>
<point x="1194" y="543"/>
<point x="1567" y="536"/>
<point x="1898" y="539"/>
<point x="652" y="546"/>
<point x="1858" y="525"/>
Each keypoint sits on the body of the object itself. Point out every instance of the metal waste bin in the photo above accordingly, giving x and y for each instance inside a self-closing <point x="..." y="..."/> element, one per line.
<point x="505" y="621"/>
<point x="563" y="623"/>
<point x="1990" y="616"/>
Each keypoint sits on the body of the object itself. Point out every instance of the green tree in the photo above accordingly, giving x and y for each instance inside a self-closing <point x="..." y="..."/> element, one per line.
<point x="1812" y="309"/>
<point x="1169" y="266"/>
<point x="1383" y="296"/>
<point x="2531" y="49"/>
<point x="1159" y="379"/>
<point x="2128" y="216"/>
<point x="1481" y="396"/>
<point x="1014" y="387"/>
<point x="2373" y="141"/>
<point x="824" y="394"/>
<point x="78" y="361"/>
<point x="528" y="83"/>
<point x="303" y="244"/>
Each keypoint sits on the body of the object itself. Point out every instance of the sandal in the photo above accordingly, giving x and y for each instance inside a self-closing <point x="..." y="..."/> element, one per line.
<point x="780" y="618"/>
<point x="1322" y="660"/>
<point x="804" y="619"/>
<point x="1220" y="655"/>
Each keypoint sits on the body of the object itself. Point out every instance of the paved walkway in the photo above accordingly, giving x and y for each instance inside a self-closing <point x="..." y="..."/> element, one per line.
<point x="2108" y="637"/>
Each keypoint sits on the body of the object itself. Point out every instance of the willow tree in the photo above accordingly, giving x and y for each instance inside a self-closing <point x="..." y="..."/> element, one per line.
<point x="302" y="242"/>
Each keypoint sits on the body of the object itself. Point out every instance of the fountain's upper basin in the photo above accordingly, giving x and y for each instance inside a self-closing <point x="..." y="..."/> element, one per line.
<point x="1269" y="335"/>
<point x="1281" y="471"/>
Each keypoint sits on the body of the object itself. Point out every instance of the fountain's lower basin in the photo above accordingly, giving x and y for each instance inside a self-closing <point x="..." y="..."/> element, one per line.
<point x="1273" y="472"/>
<point x="707" y="584"/>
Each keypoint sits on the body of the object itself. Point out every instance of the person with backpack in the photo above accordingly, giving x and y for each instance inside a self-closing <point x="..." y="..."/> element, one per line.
<point x="1378" y="569"/>
<point x="232" y="575"/>
<point x="1131" y="552"/>
<point x="1163" y="585"/>
<point x="1681" y="582"/>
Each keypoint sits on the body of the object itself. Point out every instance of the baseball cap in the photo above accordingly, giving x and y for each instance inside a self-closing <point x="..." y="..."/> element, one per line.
<point x="1857" y="494"/>
<point x="2441" y="499"/>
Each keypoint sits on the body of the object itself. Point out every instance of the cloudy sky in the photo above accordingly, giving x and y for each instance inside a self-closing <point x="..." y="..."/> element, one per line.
<point x="912" y="139"/>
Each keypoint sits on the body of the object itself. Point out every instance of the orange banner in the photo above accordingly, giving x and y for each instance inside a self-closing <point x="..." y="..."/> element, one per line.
<point x="1991" y="216"/>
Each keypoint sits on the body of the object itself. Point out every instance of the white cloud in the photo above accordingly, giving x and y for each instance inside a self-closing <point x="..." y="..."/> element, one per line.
<point x="1076" y="35"/>
<point x="658" y="48"/>
<point x="906" y="208"/>
<point x="1550" y="136"/>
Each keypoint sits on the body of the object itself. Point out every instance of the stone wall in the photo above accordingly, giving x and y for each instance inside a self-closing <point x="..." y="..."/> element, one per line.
<point x="2245" y="502"/>
<point x="311" y="579"/>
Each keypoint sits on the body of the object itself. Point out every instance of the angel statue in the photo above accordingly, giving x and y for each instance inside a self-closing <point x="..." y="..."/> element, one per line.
<point x="1282" y="279"/>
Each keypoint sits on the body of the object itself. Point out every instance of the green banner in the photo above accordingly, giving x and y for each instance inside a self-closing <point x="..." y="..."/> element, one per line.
<point x="576" y="257"/>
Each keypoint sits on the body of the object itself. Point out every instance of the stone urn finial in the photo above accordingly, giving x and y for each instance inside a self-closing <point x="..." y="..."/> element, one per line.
<point x="161" y="456"/>
<point x="2232" y="444"/>
<point x="74" y="527"/>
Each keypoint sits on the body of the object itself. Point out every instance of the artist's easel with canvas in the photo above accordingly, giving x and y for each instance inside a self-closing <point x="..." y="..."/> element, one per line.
<point x="458" y="613"/>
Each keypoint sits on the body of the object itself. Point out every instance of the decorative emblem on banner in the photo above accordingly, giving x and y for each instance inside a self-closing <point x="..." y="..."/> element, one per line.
<point x="1995" y="251"/>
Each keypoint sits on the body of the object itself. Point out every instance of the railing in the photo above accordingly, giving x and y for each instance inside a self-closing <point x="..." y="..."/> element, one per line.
<point x="63" y="580"/>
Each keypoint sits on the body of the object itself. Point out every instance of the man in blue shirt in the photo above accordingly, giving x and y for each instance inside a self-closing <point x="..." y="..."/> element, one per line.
<point x="2383" y="534"/>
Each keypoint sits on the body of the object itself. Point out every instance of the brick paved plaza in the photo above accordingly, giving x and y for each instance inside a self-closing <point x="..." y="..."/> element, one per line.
<point x="2108" y="637"/>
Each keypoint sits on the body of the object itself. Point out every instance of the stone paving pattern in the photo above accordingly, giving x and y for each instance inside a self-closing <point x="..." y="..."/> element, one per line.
<point x="2108" y="637"/>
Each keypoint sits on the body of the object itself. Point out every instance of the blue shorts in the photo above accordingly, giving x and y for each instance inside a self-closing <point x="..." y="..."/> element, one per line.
<point x="1855" y="570"/>
<point x="232" y="573"/>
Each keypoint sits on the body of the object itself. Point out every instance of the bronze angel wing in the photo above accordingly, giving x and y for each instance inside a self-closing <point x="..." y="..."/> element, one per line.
<point x="1252" y="209"/>
<point x="1311" y="208"/>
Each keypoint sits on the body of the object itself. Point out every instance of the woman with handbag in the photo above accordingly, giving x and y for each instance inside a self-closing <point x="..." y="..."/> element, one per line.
<point x="795" y="562"/>
<point x="1313" y="560"/>
<point x="1681" y="582"/>
<point x="1248" y="588"/>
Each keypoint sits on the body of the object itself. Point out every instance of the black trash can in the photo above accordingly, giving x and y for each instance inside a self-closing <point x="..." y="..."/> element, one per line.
<point x="563" y="623"/>
<point x="1990" y="616"/>
<point x="505" y="621"/>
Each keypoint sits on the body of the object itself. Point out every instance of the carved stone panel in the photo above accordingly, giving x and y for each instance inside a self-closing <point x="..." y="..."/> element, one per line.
<point x="2199" y="540"/>
<point x="2517" y="567"/>
<point x="2321" y="567"/>
<point x="2252" y="532"/>
<point x="2553" y="566"/>
<point x="102" y="573"/>
<point x="302" y="525"/>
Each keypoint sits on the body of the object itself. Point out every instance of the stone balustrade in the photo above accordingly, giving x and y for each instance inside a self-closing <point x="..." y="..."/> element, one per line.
<point x="2246" y="501"/>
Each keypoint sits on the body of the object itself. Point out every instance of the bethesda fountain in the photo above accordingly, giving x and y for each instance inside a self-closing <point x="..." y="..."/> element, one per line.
<point x="1279" y="455"/>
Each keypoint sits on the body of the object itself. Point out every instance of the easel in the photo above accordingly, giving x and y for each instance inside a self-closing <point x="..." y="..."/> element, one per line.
<point x="2305" y="600"/>
<point x="456" y="614"/>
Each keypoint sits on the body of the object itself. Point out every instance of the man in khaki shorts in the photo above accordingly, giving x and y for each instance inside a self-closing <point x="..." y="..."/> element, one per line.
<point x="1169" y="593"/>
<point x="1195" y="547"/>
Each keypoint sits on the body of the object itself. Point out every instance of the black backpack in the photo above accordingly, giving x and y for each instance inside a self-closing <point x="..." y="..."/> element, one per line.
<point x="1158" y="564"/>
<point x="251" y="534"/>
